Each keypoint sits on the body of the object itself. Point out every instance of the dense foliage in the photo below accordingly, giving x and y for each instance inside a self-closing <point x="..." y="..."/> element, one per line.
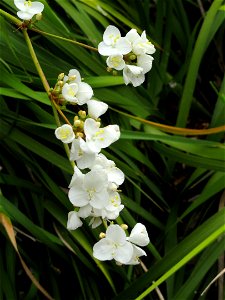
<point x="171" y="151"/>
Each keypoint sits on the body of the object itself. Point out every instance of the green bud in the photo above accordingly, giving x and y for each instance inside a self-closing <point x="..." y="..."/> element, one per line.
<point x="61" y="76"/>
<point x="82" y="114"/>
<point x="38" y="16"/>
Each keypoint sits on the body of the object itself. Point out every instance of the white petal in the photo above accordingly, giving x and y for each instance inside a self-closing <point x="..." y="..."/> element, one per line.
<point x="139" y="235"/>
<point x="84" y="93"/>
<point x="116" y="234"/>
<point x="25" y="15"/>
<point x="100" y="199"/>
<point x="107" y="50"/>
<point x="103" y="250"/>
<point x="134" y="75"/>
<point x="82" y="158"/>
<point x="20" y="4"/>
<point x="77" y="178"/>
<point x="85" y="211"/>
<point x="145" y="62"/>
<point x="74" y="72"/>
<point x="69" y="92"/>
<point x="112" y="215"/>
<point x="123" y="46"/>
<point x="95" y="180"/>
<point x="90" y="128"/>
<point x="137" y="252"/>
<point x="73" y="221"/>
<point x="78" y="197"/>
<point x="116" y="175"/>
<point x="36" y="7"/>
<point x="95" y="222"/>
<point x="96" y="108"/>
<point x="111" y="34"/>
<point x="124" y="253"/>
<point x="132" y="35"/>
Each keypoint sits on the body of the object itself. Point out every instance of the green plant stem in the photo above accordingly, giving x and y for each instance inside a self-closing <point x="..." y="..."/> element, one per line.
<point x="11" y="18"/>
<point x="46" y="86"/>
<point x="64" y="39"/>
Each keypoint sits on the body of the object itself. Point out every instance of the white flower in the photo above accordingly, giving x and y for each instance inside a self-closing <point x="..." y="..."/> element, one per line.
<point x="65" y="133"/>
<point x="114" y="246"/>
<point x="96" y="108"/>
<point x="114" y="174"/>
<point x="113" y="43"/>
<point x="27" y="9"/>
<point x="91" y="189"/>
<point x="137" y="252"/>
<point x="116" y="62"/>
<point x="73" y="76"/>
<point x="73" y="221"/>
<point x="81" y="154"/>
<point x="139" y="235"/>
<point x="97" y="138"/>
<point x="133" y="74"/>
<point x="140" y="44"/>
<point x="144" y="61"/>
<point x="78" y="93"/>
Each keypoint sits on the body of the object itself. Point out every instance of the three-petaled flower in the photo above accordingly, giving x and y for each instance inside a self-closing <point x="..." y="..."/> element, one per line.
<point x="27" y="9"/>
<point x="115" y="245"/>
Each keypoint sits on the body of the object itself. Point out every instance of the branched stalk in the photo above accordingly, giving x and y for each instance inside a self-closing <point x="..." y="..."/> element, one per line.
<point x="46" y="86"/>
<point x="11" y="18"/>
<point x="64" y="39"/>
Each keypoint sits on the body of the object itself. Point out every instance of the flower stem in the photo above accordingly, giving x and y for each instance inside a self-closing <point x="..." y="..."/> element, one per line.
<point x="11" y="18"/>
<point x="46" y="86"/>
<point x="64" y="39"/>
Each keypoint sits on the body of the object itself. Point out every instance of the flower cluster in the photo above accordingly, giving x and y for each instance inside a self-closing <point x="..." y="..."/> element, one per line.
<point x="27" y="9"/>
<point x="130" y="54"/>
<point x="94" y="187"/>
<point x="94" y="192"/>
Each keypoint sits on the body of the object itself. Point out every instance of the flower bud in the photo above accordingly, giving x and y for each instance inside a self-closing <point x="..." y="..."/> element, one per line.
<point x="77" y="123"/>
<point x="61" y="76"/>
<point x="72" y="78"/>
<point x="79" y="134"/>
<point x="82" y="114"/>
<point x="101" y="235"/>
<point x="132" y="57"/>
<point x="38" y="16"/>
<point x="124" y="226"/>
<point x="114" y="72"/>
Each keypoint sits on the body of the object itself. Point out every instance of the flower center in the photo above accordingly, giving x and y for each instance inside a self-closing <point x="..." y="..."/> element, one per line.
<point x="91" y="192"/>
<point x="64" y="133"/>
<point x="27" y="3"/>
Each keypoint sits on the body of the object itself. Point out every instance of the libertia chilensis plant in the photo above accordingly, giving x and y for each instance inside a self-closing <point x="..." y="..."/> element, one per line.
<point x="95" y="185"/>
<point x="95" y="192"/>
